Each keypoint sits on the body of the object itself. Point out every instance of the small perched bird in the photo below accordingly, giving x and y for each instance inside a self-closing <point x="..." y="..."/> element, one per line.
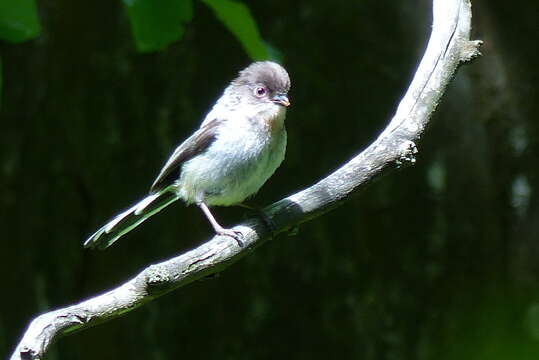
<point x="238" y="146"/>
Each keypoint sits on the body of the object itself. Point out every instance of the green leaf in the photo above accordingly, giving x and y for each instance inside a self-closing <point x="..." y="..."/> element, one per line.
<point x="238" y="19"/>
<point x="158" y="23"/>
<point x="18" y="20"/>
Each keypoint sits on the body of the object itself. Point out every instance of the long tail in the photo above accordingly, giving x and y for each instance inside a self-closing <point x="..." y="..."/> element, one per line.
<point x="130" y="219"/>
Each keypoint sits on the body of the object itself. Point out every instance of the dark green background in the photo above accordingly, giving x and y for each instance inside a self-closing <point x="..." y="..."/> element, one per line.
<point x="439" y="261"/>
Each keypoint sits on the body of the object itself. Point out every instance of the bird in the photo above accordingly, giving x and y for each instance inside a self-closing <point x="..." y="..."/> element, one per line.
<point x="239" y="145"/>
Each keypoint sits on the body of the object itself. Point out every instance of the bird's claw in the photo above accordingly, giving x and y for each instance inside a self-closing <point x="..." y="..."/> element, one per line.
<point x="235" y="234"/>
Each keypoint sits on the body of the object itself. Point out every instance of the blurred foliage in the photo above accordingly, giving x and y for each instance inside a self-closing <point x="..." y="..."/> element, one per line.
<point x="18" y="20"/>
<point x="158" y="23"/>
<point x="155" y="24"/>
<point x="237" y="18"/>
<point x="438" y="261"/>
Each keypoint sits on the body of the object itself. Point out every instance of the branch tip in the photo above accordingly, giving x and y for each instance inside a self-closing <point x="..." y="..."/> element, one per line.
<point x="470" y="50"/>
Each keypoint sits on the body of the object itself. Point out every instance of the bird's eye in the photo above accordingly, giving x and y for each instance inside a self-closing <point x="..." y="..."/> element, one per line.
<point x="260" y="91"/>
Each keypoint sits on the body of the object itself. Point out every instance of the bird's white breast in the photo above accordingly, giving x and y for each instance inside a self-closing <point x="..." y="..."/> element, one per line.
<point x="245" y="153"/>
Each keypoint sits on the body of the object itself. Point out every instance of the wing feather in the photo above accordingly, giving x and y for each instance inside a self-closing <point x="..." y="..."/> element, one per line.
<point x="194" y="145"/>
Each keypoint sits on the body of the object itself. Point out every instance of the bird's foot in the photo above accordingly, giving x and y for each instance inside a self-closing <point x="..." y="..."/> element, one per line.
<point x="235" y="234"/>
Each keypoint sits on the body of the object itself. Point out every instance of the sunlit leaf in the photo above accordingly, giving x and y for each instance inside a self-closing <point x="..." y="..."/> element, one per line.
<point x="18" y="20"/>
<point x="158" y="23"/>
<point x="238" y="19"/>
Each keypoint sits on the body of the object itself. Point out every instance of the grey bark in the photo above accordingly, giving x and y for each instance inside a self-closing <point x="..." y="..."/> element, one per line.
<point x="448" y="47"/>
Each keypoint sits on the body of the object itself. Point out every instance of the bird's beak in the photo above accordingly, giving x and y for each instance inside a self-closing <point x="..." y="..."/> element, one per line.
<point x="281" y="99"/>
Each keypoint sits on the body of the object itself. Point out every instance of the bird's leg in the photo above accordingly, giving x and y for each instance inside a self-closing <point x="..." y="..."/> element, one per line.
<point x="236" y="235"/>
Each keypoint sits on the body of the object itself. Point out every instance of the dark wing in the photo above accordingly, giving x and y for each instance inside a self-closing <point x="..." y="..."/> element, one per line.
<point x="194" y="145"/>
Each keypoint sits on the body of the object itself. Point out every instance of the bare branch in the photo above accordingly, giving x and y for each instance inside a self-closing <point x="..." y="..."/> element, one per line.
<point x="449" y="46"/>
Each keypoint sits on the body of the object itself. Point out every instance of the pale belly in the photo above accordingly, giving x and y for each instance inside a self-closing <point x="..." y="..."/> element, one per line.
<point x="232" y="169"/>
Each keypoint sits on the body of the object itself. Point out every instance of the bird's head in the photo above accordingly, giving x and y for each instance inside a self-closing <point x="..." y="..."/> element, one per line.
<point x="263" y="83"/>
